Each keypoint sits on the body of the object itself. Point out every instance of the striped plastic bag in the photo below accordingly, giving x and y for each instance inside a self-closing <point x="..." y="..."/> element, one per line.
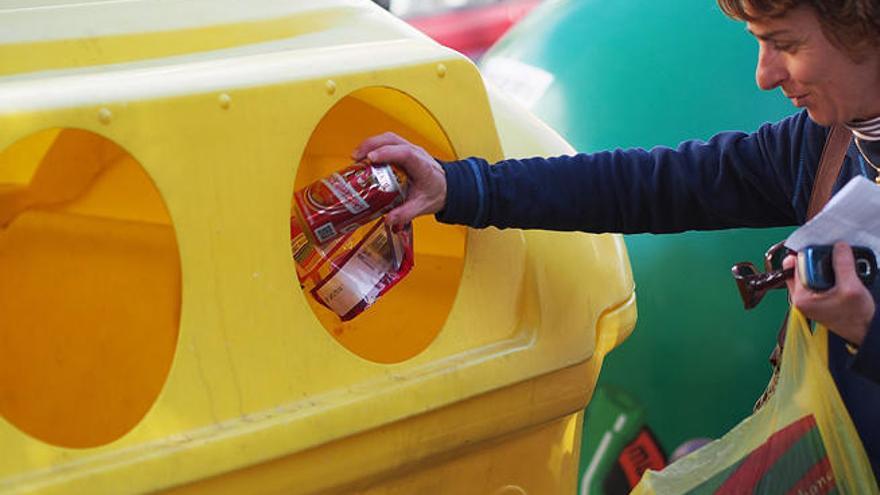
<point x="801" y="441"/>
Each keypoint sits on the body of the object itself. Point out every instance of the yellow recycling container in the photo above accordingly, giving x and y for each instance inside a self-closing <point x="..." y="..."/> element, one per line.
<point x="153" y="335"/>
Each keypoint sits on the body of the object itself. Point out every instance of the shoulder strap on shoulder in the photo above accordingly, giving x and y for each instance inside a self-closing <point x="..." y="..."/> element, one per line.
<point x="829" y="167"/>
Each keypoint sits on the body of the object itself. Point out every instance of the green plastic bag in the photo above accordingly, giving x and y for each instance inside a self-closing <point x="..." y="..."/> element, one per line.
<point x="801" y="441"/>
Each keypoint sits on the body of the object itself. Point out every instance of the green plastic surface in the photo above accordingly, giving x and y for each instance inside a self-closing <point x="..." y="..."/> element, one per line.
<point x="615" y="419"/>
<point x="644" y="73"/>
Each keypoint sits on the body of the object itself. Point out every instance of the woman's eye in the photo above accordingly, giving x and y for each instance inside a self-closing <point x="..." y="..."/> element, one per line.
<point x="785" y="47"/>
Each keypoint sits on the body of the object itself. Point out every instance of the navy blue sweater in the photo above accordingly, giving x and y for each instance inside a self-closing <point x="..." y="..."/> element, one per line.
<point x="763" y="179"/>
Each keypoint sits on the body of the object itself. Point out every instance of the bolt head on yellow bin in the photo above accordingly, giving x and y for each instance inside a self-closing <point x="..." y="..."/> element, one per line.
<point x="153" y="333"/>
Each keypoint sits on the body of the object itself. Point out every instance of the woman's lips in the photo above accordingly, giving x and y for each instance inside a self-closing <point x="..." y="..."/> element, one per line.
<point x="799" y="100"/>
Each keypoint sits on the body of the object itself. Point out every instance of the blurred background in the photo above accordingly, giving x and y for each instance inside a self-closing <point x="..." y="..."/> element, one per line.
<point x="467" y="26"/>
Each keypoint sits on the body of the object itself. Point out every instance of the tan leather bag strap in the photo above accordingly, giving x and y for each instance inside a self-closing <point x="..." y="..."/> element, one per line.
<point x="830" y="163"/>
<point x="829" y="168"/>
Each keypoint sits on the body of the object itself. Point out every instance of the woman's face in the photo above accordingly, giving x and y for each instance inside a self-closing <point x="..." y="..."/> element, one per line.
<point x="794" y="54"/>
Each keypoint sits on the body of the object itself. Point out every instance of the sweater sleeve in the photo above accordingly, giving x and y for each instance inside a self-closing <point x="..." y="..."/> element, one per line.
<point x="733" y="180"/>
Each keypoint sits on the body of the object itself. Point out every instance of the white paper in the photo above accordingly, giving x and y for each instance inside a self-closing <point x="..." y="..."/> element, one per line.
<point x="852" y="216"/>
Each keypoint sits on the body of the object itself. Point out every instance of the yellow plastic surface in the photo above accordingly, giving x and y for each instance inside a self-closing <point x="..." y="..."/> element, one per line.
<point x="90" y="290"/>
<point x="170" y="337"/>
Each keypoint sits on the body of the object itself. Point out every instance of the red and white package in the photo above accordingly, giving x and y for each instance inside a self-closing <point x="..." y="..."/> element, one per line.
<point x="345" y="264"/>
<point x="359" y="276"/>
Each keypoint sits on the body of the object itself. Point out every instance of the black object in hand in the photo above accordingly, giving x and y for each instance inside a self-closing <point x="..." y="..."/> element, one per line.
<point x="817" y="272"/>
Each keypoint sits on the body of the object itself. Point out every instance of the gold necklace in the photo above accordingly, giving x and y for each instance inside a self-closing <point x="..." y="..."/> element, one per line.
<point x="865" y="156"/>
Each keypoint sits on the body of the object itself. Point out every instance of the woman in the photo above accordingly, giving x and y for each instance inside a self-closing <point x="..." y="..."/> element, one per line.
<point x="825" y="56"/>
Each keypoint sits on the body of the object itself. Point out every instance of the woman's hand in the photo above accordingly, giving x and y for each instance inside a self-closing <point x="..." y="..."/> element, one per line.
<point x="847" y="308"/>
<point x="427" y="181"/>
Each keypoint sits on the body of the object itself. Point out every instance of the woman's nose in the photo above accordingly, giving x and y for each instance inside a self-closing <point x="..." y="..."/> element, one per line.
<point x="771" y="71"/>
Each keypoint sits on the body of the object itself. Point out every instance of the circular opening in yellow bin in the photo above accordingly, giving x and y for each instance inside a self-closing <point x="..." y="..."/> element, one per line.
<point x="405" y="320"/>
<point x="89" y="288"/>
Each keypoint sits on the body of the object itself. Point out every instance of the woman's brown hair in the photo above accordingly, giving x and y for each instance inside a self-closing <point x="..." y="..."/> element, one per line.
<point x="853" y="25"/>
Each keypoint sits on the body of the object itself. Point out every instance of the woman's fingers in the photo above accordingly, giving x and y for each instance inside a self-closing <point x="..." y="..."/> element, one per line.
<point x="377" y="141"/>
<point x="426" y="191"/>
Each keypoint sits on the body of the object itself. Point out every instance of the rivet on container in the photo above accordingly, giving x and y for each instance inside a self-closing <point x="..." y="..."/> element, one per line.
<point x="441" y="71"/>
<point x="105" y="115"/>
<point x="330" y="85"/>
<point x="224" y="100"/>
